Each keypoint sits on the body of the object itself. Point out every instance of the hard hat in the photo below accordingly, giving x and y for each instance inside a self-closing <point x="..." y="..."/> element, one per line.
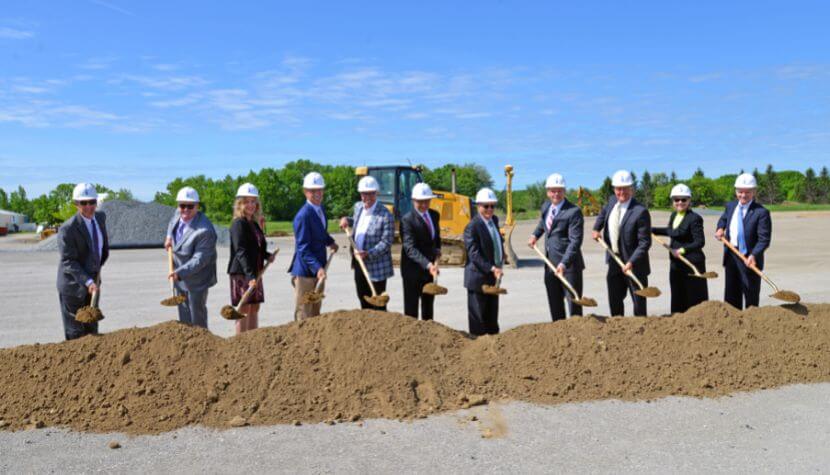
<point x="622" y="178"/>
<point x="247" y="190"/>
<point x="746" y="180"/>
<point x="187" y="195"/>
<point x="422" y="191"/>
<point x="84" y="191"/>
<point x="486" y="196"/>
<point x="368" y="184"/>
<point x="555" y="180"/>
<point x="314" y="181"/>
<point x="681" y="191"/>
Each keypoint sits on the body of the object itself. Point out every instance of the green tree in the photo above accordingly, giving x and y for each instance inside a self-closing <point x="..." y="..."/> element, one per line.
<point x="606" y="191"/>
<point x="659" y="179"/>
<point x="536" y="195"/>
<point x="698" y="173"/>
<point x="470" y="178"/>
<point x="769" y="187"/>
<point x="808" y="190"/>
<point x="19" y="202"/>
<point x="645" y="192"/>
<point x="824" y="186"/>
<point x="703" y="190"/>
<point x="4" y="199"/>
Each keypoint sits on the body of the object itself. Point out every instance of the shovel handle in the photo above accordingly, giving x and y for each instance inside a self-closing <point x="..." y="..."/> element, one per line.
<point x="754" y="269"/>
<point x="326" y="267"/>
<point x="553" y="269"/>
<point x="679" y="256"/>
<point x="96" y="295"/>
<point x="621" y="263"/>
<point x="244" y="299"/>
<point x="360" y="261"/>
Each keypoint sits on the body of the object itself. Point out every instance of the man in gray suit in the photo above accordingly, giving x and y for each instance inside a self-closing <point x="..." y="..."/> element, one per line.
<point x="193" y="239"/>
<point x="561" y="223"/>
<point x="83" y="247"/>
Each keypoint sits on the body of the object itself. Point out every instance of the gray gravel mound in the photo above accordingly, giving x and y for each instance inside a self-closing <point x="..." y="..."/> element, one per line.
<point x="133" y="224"/>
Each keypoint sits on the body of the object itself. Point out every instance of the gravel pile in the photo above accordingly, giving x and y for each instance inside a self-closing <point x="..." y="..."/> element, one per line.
<point x="133" y="224"/>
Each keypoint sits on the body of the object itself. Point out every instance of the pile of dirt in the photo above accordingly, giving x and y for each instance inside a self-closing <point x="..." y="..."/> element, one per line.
<point x="346" y="366"/>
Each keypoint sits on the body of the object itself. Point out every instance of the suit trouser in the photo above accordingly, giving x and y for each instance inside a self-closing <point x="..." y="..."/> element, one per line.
<point x="71" y="328"/>
<point x="413" y="292"/>
<point x="482" y="313"/>
<point x="363" y="289"/>
<point x="686" y="291"/>
<point x="742" y="286"/>
<point x="557" y="293"/>
<point x="193" y="310"/>
<point x="303" y="285"/>
<point x="618" y="285"/>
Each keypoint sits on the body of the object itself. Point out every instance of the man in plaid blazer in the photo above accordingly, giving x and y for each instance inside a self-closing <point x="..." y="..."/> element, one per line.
<point x="373" y="228"/>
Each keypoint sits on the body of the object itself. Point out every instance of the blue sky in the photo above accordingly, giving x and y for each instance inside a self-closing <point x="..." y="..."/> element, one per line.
<point x="133" y="93"/>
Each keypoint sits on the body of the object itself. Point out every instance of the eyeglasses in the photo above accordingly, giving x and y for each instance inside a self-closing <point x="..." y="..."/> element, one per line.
<point x="186" y="206"/>
<point x="488" y="206"/>
<point x="88" y="202"/>
<point x="681" y="200"/>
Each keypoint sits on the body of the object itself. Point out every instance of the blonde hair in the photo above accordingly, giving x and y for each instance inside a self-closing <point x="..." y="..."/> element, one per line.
<point x="239" y="209"/>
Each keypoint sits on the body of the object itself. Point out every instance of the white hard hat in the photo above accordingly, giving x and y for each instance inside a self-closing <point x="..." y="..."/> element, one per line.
<point x="622" y="178"/>
<point x="314" y="181"/>
<point x="555" y="180"/>
<point x="367" y="184"/>
<point x="187" y="195"/>
<point x="486" y="196"/>
<point x="247" y="190"/>
<point x="84" y="191"/>
<point x="746" y="180"/>
<point x="422" y="191"/>
<point x="681" y="191"/>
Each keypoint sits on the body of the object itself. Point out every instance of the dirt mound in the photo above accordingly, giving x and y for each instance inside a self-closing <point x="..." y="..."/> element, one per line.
<point x="351" y="365"/>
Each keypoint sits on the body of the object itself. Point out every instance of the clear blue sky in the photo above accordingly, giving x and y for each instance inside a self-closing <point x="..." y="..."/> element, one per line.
<point x="133" y="93"/>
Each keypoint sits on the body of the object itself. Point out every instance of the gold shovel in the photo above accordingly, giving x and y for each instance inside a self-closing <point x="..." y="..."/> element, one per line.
<point x="583" y="300"/>
<point x="494" y="289"/>
<point x="317" y="294"/>
<point x="432" y="288"/>
<point x="230" y="312"/>
<point x="647" y="292"/>
<point x="374" y="299"/>
<point x="91" y="313"/>
<point x="785" y="295"/>
<point x="705" y="275"/>
<point x="174" y="299"/>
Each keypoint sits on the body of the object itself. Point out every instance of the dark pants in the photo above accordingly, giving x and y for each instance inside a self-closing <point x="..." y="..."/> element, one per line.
<point x="686" y="291"/>
<point x="743" y="287"/>
<point x="412" y="293"/>
<point x="618" y="285"/>
<point x="71" y="328"/>
<point x="482" y="313"/>
<point x="557" y="293"/>
<point x="363" y="288"/>
<point x="193" y="311"/>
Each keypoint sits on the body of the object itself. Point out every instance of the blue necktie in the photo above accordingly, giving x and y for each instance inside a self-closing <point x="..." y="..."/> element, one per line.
<point x="496" y="247"/>
<point x="741" y="237"/>
<point x="95" y="242"/>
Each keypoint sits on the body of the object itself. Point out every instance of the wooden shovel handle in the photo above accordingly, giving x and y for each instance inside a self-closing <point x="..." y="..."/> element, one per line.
<point x="553" y="269"/>
<point x="621" y="263"/>
<point x="360" y="261"/>
<point x="679" y="256"/>
<point x="738" y="253"/>
<point x="244" y="299"/>
<point x="326" y="267"/>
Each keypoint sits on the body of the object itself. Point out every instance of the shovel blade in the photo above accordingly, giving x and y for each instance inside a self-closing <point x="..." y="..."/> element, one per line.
<point x="434" y="289"/>
<point x="88" y="315"/>
<point x="230" y="313"/>
<point x="705" y="275"/>
<point x="377" y="300"/>
<point x="313" y="297"/>
<point x="493" y="290"/>
<point x="173" y="301"/>
<point x="586" y="302"/>
<point x="787" y="296"/>
<point x="648" y="292"/>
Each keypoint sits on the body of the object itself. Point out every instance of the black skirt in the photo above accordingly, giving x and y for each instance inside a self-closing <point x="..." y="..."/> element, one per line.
<point x="239" y="284"/>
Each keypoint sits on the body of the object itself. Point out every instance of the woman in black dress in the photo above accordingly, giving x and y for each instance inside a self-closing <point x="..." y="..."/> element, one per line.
<point x="248" y="255"/>
<point x="687" y="239"/>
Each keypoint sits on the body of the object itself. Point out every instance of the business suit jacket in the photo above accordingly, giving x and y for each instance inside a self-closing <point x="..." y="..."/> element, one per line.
<point x="635" y="236"/>
<point x="194" y="255"/>
<point x="420" y="248"/>
<point x="311" y="239"/>
<point x="563" y="242"/>
<point x="77" y="260"/>
<point x="480" y="254"/>
<point x="757" y="230"/>
<point x="688" y="235"/>
<point x="248" y="252"/>
<point x="378" y="241"/>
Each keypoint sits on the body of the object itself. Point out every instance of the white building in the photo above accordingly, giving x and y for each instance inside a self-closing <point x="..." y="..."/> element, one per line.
<point x="8" y="219"/>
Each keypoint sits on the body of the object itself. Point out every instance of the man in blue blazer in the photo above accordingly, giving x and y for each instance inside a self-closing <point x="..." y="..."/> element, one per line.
<point x="310" y="238"/>
<point x="748" y="226"/>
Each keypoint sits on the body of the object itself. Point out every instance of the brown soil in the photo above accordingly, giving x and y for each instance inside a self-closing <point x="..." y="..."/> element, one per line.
<point x="345" y="366"/>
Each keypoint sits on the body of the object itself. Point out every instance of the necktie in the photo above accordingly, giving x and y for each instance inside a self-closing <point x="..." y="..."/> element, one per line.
<point x="496" y="243"/>
<point x="741" y="237"/>
<point x="551" y="215"/>
<point x="322" y="217"/>
<point x="429" y="224"/>
<point x="614" y="228"/>
<point x="97" y="252"/>
<point x="179" y="232"/>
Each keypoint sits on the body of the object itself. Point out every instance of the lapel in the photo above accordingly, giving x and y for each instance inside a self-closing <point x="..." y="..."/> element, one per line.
<point x="79" y="222"/>
<point x="746" y="216"/>
<point x="190" y="229"/>
<point x="486" y="239"/>
<point x="628" y="213"/>
<point x="106" y="243"/>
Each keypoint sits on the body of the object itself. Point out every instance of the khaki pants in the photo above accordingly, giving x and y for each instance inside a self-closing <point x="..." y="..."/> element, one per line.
<point x="302" y="285"/>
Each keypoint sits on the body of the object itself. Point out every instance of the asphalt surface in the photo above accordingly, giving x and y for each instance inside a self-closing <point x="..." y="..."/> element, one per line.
<point x="787" y="429"/>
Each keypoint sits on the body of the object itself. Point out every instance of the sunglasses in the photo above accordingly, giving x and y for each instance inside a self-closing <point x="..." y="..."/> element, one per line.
<point x="681" y="200"/>
<point x="488" y="206"/>
<point x="88" y="202"/>
<point x="186" y="206"/>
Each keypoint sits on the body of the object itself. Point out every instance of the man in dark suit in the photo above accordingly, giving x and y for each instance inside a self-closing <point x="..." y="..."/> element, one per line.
<point x="485" y="258"/>
<point x="311" y="236"/>
<point x="748" y="226"/>
<point x="561" y="223"/>
<point x="625" y="226"/>
<point x="421" y="236"/>
<point x="84" y="248"/>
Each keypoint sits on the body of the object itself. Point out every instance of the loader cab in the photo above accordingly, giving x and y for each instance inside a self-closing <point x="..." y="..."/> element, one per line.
<point x="396" y="185"/>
